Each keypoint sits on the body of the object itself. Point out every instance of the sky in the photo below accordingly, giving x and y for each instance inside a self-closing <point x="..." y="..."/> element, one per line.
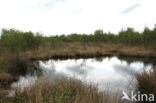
<point x="51" y="17"/>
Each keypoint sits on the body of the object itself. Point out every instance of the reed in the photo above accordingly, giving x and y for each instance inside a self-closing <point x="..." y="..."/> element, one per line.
<point x="62" y="91"/>
<point x="146" y="82"/>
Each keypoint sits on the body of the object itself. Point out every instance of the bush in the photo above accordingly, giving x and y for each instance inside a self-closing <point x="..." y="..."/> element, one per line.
<point x="15" y="40"/>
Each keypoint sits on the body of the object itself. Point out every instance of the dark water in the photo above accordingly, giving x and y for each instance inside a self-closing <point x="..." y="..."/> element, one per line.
<point x="107" y="73"/>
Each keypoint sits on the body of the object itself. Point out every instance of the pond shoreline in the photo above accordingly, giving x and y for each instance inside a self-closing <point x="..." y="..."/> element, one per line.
<point x="91" y="55"/>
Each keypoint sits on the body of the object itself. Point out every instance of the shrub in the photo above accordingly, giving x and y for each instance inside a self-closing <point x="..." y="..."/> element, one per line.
<point x="15" y="40"/>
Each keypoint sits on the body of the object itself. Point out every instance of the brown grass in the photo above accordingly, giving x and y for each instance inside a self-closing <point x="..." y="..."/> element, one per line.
<point x="5" y="82"/>
<point x="61" y="91"/>
<point x="79" y="50"/>
<point x="147" y="82"/>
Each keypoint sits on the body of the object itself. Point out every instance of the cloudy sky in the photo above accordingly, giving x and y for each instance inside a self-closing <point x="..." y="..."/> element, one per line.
<point x="76" y="16"/>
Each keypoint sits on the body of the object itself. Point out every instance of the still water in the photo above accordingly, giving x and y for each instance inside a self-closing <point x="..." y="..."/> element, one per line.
<point x="107" y="73"/>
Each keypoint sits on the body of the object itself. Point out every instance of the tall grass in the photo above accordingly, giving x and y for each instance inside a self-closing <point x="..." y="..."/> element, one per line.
<point x="147" y="82"/>
<point x="61" y="91"/>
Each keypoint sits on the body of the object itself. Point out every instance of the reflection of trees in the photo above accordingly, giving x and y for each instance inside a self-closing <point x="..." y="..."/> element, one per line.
<point x="99" y="59"/>
<point x="124" y="70"/>
<point x="146" y="61"/>
<point x="34" y="69"/>
<point x="53" y="67"/>
<point x="80" y="69"/>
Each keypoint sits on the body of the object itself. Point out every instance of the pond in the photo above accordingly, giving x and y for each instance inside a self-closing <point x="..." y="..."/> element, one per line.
<point x="107" y="73"/>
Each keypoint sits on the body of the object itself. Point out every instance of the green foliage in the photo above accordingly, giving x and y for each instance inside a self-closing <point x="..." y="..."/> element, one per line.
<point x="149" y="36"/>
<point x="15" y="40"/>
<point x="130" y="36"/>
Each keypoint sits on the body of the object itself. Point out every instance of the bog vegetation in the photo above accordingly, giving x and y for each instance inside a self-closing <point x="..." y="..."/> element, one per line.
<point x="146" y="83"/>
<point x="61" y="91"/>
<point x="15" y="40"/>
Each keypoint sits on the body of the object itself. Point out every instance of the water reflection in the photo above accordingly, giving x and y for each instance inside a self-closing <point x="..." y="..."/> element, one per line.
<point x="124" y="70"/>
<point x="79" y="69"/>
<point x="107" y="73"/>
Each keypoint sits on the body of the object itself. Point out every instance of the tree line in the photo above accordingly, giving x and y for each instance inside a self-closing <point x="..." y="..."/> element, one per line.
<point x="15" y="40"/>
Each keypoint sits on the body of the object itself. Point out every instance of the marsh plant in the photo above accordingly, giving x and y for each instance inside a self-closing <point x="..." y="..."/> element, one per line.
<point x="61" y="91"/>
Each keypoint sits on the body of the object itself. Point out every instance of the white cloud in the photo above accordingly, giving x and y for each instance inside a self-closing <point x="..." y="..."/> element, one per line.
<point x="131" y="8"/>
<point x="80" y="16"/>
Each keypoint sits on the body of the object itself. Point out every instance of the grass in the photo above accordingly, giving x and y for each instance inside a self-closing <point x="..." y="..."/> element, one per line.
<point x="61" y="91"/>
<point x="14" y="64"/>
<point x="147" y="82"/>
<point x="5" y="82"/>
<point x="79" y="50"/>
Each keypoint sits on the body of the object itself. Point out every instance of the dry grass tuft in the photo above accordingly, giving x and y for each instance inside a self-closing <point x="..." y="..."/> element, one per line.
<point x="147" y="82"/>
